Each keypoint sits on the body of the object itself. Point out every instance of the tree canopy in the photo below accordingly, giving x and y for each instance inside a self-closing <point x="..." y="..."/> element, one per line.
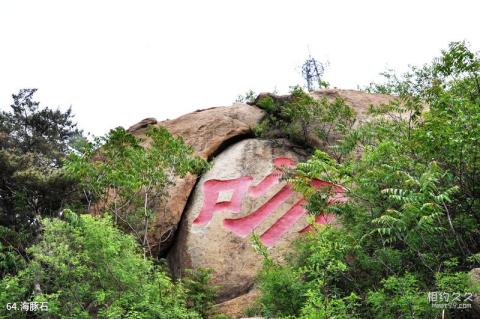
<point x="410" y="225"/>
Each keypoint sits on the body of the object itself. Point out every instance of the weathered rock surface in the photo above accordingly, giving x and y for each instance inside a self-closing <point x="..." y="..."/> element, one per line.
<point x="239" y="194"/>
<point x="207" y="131"/>
<point x="358" y="100"/>
<point x="142" y="124"/>
<point x="214" y="233"/>
<point x="235" y="308"/>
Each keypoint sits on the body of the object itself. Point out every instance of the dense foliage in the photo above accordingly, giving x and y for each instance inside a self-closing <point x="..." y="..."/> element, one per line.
<point x="81" y="266"/>
<point x="409" y="230"/>
<point x="34" y="142"/>
<point x="201" y="293"/>
<point x="119" y="176"/>
<point x="304" y="119"/>
<point x="84" y="266"/>
<point x="33" y="184"/>
<point x="411" y="224"/>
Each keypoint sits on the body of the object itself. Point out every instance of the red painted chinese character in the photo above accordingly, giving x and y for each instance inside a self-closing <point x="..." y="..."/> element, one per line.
<point x="273" y="178"/>
<point x="282" y="225"/>
<point x="243" y="226"/>
<point x="211" y="190"/>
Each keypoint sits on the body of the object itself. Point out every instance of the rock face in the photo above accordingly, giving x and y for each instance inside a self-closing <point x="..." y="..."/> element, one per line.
<point x="241" y="193"/>
<point x="358" y="100"/>
<point x="207" y="131"/>
<point x="213" y="217"/>
<point x="235" y="308"/>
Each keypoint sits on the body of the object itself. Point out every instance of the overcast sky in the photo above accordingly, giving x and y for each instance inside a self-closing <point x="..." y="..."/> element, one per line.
<point x="117" y="62"/>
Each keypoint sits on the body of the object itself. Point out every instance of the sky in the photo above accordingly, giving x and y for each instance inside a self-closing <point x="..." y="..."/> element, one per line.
<point x="117" y="62"/>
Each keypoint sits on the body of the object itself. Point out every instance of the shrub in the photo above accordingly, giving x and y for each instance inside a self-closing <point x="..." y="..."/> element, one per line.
<point x="83" y="266"/>
<point x="410" y="225"/>
<point x="200" y="292"/>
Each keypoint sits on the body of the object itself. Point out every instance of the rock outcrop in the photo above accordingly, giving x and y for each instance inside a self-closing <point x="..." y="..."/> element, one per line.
<point x="235" y="308"/>
<point x="210" y="221"/>
<point x="207" y="131"/>
<point x="358" y="100"/>
<point x="241" y="193"/>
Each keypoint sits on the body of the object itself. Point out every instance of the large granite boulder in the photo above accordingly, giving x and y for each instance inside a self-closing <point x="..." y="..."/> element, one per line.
<point x="208" y="132"/>
<point x="235" y="308"/>
<point x="359" y="101"/>
<point x="241" y="193"/>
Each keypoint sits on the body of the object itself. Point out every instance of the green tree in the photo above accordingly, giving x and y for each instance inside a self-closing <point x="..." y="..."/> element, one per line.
<point x="248" y="97"/>
<point x="33" y="144"/>
<point x="84" y="267"/>
<point x="200" y="292"/>
<point x="121" y="177"/>
<point x="304" y="119"/>
<point x="410" y="225"/>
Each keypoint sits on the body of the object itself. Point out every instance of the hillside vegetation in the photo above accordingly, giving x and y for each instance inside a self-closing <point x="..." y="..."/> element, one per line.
<point x="410" y="229"/>
<point x="75" y="214"/>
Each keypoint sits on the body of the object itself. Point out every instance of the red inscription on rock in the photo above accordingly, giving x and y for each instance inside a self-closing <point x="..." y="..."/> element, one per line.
<point x="239" y="187"/>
